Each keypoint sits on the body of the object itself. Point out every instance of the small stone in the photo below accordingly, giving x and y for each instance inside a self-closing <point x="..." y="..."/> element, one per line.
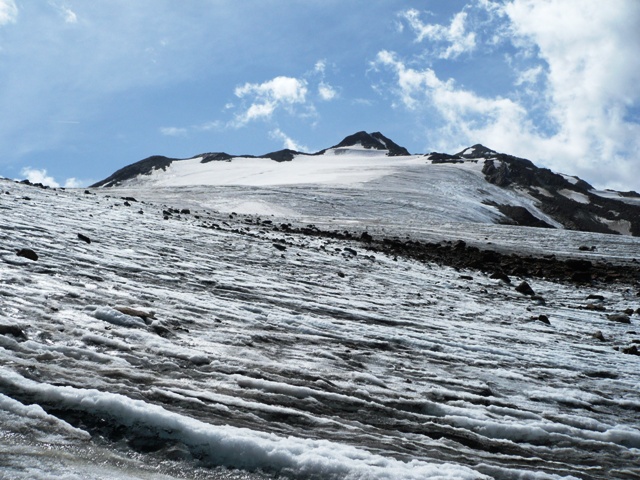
<point x="13" y="331"/>
<point x="595" y="307"/>
<point x="27" y="253"/>
<point x="133" y="312"/>
<point x="500" y="276"/>
<point x="341" y="274"/>
<point x="629" y="311"/>
<point x="539" y="299"/>
<point x="599" y="336"/>
<point x="160" y="330"/>
<point x="632" y="350"/>
<point x="619" y="317"/>
<point x="185" y="211"/>
<point x="595" y="297"/>
<point x="277" y="246"/>
<point x="84" y="238"/>
<point x="525" y="289"/>
<point x="544" y="319"/>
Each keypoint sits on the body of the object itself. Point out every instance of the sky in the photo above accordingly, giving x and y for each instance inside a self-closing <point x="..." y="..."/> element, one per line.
<point x="90" y="86"/>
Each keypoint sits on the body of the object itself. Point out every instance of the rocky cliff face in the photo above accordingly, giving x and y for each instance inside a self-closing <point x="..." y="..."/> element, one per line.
<point x="569" y="200"/>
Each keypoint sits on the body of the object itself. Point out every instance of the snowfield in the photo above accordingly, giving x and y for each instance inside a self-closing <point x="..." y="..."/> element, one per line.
<point x="176" y="339"/>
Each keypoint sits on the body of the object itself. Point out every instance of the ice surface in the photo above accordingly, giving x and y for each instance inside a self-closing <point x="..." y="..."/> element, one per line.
<point x="305" y="362"/>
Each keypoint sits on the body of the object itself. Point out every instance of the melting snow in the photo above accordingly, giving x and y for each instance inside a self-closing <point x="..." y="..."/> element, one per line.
<point x="573" y="195"/>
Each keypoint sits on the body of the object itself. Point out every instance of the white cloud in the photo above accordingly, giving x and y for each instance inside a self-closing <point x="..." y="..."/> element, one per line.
<point x="66" y="13"/>
<point x="287" y="141"/>
<point x="173" y="131"/>
<point x="575" y="100"/>
<point x="69" y="15"/>
<point x="8" y="11"/>
<point x="529" y="76"/>
<point x="211" y="126"/>
<point x="593" y="78"/>
<point x="35" y="175"/>
<point x="266" y="97"/>
<point x="74" y="183"/>
<point x="327" y="92"/>
<point x="463" y="111"/>
<point x="320" y="66"/>
<point x="455" y="35"/>
<point x="39" y="176"/>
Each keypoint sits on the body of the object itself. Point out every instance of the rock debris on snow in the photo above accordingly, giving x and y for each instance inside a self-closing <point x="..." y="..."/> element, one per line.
<point x="262" y="367"/>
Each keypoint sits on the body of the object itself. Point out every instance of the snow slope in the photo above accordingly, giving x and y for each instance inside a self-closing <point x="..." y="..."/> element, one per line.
<point x="345" y="182"/>
<point x="208" y="345"/>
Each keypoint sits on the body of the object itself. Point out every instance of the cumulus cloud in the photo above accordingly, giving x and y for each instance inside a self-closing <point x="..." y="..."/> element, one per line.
<point x="35" y="175"/>
<point x="575" y="86"/>
<point x="265" y="98"/>
<point x="455" y="35"/>
<point x="8" y="11"/>
<point x="465" y="113"/>
<point x="593" y="72"/>
<point x="287" y="141"/>
<point x="74" y="183"/>
<point x="327" y="92"/>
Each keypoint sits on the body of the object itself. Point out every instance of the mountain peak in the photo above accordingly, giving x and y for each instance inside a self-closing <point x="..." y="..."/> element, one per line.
<point x="477" y="151"/>
<point x="375" y="140"/>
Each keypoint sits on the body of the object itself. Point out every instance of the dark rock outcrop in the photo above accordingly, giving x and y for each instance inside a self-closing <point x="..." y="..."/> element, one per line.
<point x="143" y="167"/>
<point x="568" y="200"/>
<point x="375" y="140"/>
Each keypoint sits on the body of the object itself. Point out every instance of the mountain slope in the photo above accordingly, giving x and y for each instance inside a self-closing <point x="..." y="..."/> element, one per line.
<point x="478" y="183"/>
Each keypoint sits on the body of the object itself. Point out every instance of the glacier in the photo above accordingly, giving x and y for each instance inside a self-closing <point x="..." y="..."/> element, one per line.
<point x="207" y="331"/>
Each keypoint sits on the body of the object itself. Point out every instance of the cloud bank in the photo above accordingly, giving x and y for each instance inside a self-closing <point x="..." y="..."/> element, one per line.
<point x="575" y="83"/>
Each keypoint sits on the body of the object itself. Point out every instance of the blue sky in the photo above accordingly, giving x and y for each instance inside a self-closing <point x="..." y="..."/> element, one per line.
<point x="89" y="86"/>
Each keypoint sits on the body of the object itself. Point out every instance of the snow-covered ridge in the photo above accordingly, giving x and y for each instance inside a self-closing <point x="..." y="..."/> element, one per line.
<point x="526" y="194"/>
